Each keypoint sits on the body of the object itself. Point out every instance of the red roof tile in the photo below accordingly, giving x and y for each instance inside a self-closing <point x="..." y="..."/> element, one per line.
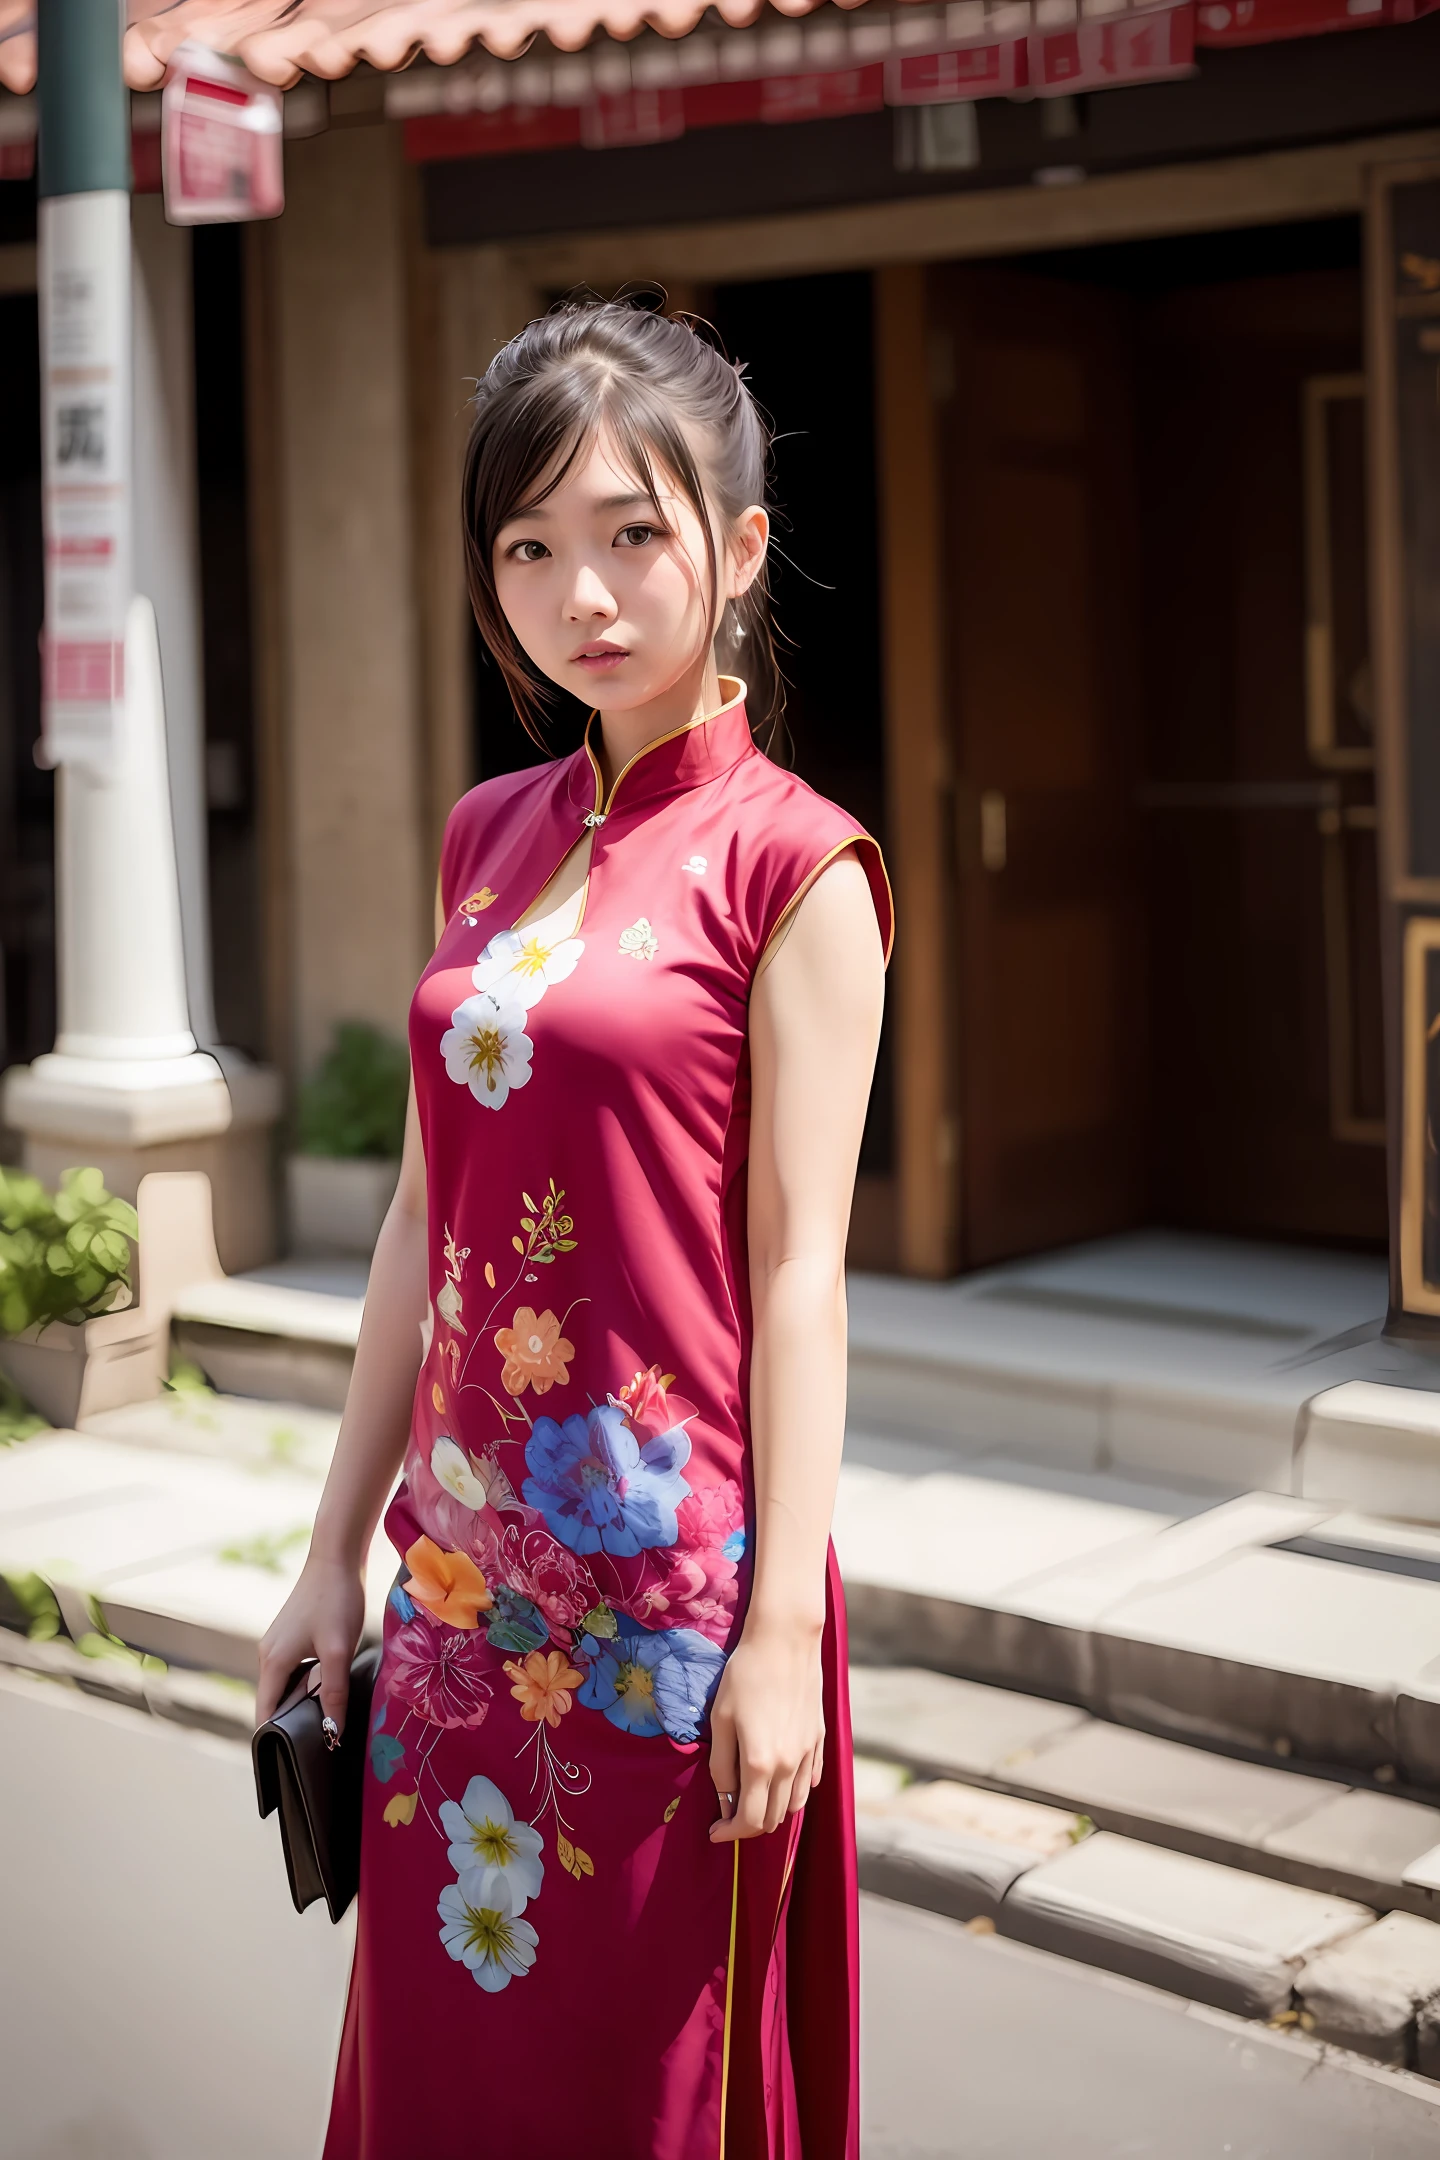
<point x="280" y="41"/>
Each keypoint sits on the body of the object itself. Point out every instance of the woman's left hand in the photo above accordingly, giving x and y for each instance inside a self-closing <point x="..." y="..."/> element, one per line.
<point x="767" y="1730"/>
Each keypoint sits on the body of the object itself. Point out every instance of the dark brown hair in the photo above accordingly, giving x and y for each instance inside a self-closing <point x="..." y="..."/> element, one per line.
<point x="659" y="386"/>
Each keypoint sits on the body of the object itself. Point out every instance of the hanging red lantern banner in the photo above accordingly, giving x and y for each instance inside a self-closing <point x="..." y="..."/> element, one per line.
<point x="221" y="141"/>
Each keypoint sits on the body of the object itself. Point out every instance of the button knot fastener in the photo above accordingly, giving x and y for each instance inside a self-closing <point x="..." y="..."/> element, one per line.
<point x="594" y="817"/>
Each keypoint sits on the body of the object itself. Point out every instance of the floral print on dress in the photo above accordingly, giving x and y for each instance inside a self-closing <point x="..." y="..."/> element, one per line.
<point x="536" y="1354"/>
<point x="599" y="1489"/>
<point x="639" y="942"/>
<point x="569" y="1562"/>
<point x="485" y="1047"/>
<point x="526" y="964"/>
<point x="492" y="1942"/>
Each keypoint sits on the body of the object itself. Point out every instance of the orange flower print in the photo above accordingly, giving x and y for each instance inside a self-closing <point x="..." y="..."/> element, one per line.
<point x="447" y="1584"/>
<point x="542" y="1685"/>
<point x="536" y="1354"/>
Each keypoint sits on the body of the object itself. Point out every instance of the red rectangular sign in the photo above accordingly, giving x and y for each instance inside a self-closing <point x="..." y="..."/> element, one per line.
<point x="944" y="78"/>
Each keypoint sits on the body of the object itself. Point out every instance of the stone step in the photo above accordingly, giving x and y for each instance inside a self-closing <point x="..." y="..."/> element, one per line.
<point x="183" y="1555"/>
<point x="1214" y="1934"/>
<point x="285" y="1333"/>
<point x="1320" y="1834"/>
<point x="1162" y="1354"/>
<point x="1273" y="1626"/>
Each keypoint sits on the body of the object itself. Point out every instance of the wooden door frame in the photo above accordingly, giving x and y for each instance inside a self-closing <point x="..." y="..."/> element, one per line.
<point x="1410" y="903"/>
<point x="894" y="240"/>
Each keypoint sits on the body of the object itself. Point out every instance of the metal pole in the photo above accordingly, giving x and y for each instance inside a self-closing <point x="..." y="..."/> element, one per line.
<point x="84" y="108"/>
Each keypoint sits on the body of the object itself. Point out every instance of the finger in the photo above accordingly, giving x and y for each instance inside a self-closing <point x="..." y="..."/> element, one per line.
<point x="724" y="1766"/>
<point x="800" y="1785"/>
<point x="276" y="1667"/>
<point x="817" y="1762"/>
<point x="748" y="1819"/>
<point x="777" y="1799"/>
<point x="335" y="1656"/>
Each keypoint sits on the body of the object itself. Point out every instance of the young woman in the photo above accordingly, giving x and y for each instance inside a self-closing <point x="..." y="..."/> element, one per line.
<point x="607" y="1903"/>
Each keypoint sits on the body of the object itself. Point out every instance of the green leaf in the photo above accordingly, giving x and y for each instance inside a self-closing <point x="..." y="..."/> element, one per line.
<point x="267" y="1550"/>
<point x="601" y="1623"/>
<point x="109" y="1250"/>
<point x="527" y="1224"/>
<point x="529" y="1202"/>
<point x="353" y="1105"/>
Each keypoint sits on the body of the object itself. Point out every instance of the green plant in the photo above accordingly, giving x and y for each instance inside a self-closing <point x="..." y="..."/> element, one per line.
<point x="17" y="1420"/>
<point x="65" y="1256"/>
<point x="354" y="1102"/>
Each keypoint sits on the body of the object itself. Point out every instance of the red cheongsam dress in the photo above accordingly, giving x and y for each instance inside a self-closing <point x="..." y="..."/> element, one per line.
<point x="554" y="1962"/>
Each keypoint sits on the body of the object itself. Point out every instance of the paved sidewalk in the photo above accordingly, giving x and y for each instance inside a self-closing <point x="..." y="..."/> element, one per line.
<point x="979" y="2049"/>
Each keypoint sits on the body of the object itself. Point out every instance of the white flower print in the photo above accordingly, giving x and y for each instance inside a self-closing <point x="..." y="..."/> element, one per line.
<point x="640" y="941"/>
<point x="450" y="1467"/>
<point x="487" y="1844"/>
<point x="526" y="964"/>
<point x="481" y="1930"/>
<point x="486" y="1048"/>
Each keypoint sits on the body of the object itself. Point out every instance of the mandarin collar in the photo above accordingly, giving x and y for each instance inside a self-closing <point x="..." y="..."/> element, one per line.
<point x="671" y="765"/>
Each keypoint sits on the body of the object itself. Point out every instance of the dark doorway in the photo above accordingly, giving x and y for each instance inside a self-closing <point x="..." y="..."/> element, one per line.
<point x="1168" y="931"/>
<point x="806" y="344"/>
<point x="222" y="484"/>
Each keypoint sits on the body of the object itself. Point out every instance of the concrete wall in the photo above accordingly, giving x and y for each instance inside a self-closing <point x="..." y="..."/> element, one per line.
<point x="160" y="1998"/>
<point x="352" y="810"/>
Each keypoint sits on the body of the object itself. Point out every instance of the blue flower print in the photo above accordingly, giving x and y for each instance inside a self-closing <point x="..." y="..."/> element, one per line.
<point x="734" y="1546"/>
<point x="621" y="1678"/>
<point x="650" y="1682"/>
<point x="599" y="1490"/>
<point x="687" y="1680"/>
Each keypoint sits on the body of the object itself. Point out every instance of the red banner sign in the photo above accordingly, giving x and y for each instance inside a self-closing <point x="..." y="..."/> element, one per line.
<point x="221" y="149"/>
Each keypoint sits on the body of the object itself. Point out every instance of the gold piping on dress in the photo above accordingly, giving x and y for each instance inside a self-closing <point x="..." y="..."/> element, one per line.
<point x="855" y="840"/>
<point x="729" y="1999"/>
<point x="604" y="802"/>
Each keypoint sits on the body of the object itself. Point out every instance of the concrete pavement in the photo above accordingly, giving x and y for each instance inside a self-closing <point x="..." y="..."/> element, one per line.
<point x="980" y="2049"/>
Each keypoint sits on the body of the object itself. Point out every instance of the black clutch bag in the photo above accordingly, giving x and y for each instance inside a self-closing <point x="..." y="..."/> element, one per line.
<point x="317" y="1789"/>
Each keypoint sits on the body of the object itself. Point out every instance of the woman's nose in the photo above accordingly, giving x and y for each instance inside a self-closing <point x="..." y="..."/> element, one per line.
<point x="590" y="596"/>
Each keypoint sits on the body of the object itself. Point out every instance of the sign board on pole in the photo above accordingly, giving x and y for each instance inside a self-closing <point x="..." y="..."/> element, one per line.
<point x="221" y="132"/>
<point x="85" y="361"/>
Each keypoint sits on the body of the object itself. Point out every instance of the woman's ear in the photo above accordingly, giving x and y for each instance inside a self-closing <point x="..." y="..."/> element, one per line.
<point x="749" y="539"/>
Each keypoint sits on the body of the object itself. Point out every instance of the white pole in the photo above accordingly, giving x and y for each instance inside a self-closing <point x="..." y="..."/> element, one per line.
<point x="167" y="557"/>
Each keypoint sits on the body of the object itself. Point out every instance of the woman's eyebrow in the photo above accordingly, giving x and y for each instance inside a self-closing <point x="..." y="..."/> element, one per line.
<point x="623" y="502"/>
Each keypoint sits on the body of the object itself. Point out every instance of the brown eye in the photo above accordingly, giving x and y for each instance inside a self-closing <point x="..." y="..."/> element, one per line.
<point x="529" y="551"/>
<point x="635" y="535"/>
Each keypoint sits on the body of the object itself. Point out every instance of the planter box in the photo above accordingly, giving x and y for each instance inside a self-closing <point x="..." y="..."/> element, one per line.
<point x="70" y="1373"/>
<point x="337" y="1204"/>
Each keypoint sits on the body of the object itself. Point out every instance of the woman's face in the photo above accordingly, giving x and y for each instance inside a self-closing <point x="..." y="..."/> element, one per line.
<point x="608" y="600"/>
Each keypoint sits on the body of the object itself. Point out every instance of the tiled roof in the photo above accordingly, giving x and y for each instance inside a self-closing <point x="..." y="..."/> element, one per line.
<point x="280" y="39"/>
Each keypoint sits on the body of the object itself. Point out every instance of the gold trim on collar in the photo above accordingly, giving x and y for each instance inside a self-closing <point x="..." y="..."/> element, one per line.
<point x="604" y="803"/>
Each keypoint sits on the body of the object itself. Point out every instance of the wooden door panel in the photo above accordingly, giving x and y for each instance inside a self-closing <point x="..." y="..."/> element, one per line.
<point x="1034" y="663"/>
<point x="1039" y="574"/>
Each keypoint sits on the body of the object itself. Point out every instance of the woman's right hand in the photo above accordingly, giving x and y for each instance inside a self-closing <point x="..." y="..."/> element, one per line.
<point x="322" y="1618"/>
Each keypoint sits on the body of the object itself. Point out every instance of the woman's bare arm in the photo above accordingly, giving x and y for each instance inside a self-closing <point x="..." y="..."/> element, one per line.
<point x="814" y="1028"/>
<point x="324" y="1613"/>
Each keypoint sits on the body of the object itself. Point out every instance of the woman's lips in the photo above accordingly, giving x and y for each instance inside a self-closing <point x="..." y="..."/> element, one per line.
<point x="601" y="658"/>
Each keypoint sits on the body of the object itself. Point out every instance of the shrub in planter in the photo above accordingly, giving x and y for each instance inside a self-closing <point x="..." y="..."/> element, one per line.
<point x="62" y="1257"/>
<point x="351" y="1128"/>
<point x="65" y="1264"/>
<point x="353" y="1105"/>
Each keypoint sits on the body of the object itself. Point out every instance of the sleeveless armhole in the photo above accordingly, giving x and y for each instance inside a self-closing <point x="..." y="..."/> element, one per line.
<point x="873" y="862"/>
